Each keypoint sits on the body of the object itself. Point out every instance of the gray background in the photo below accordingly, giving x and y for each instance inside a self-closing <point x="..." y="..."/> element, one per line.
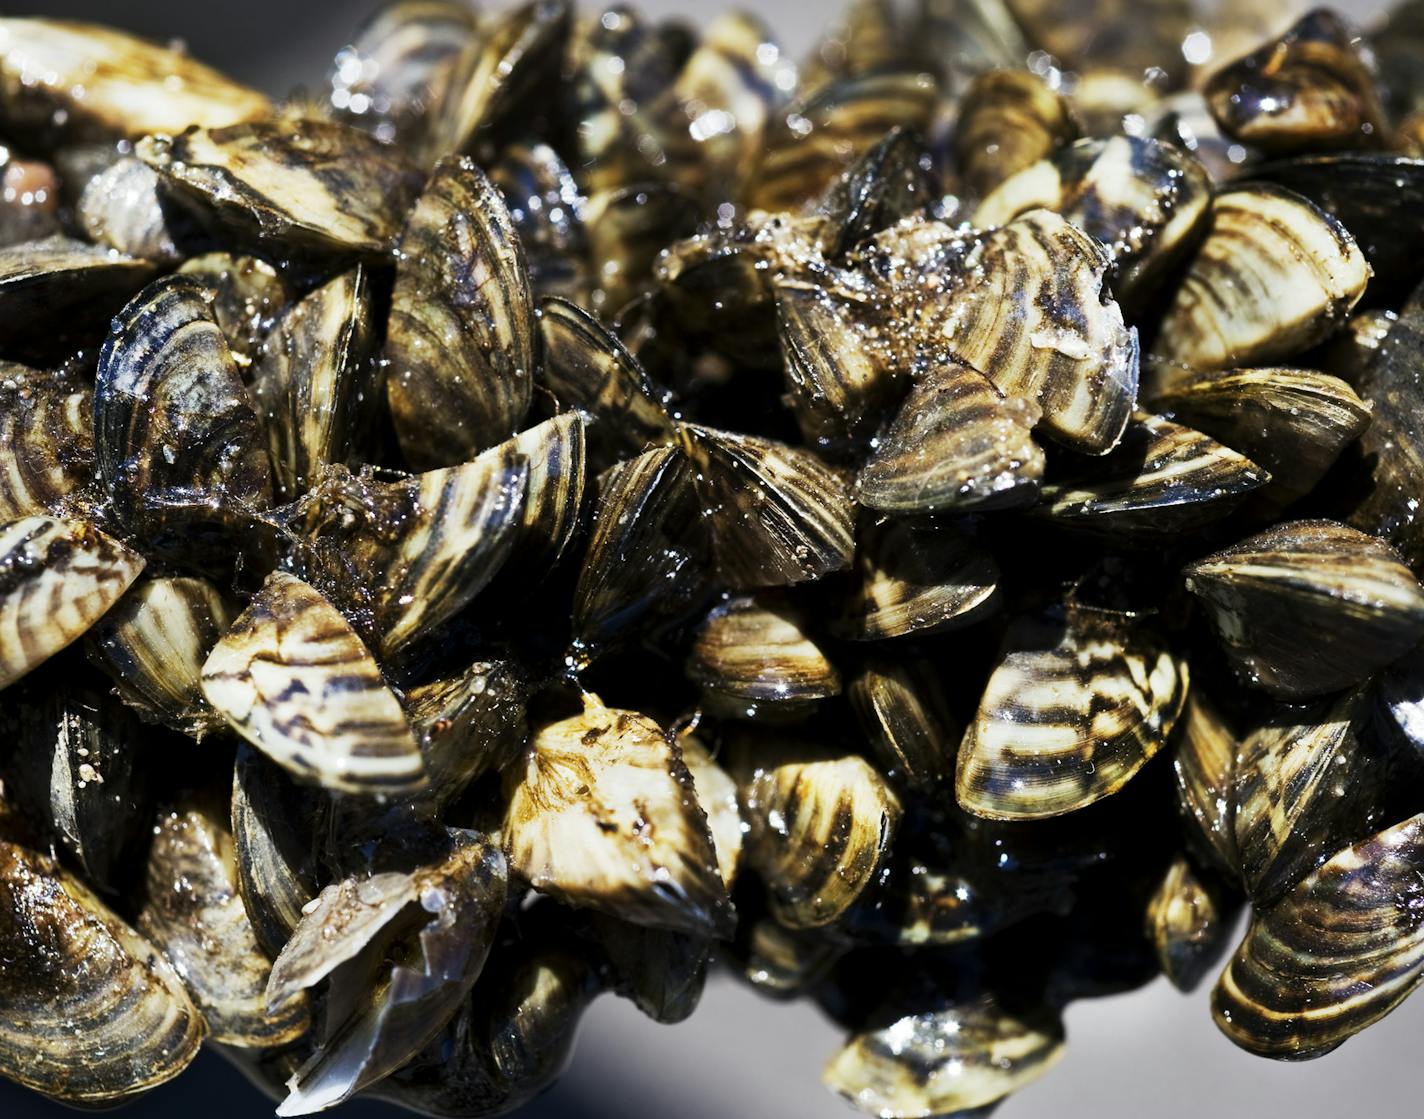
<point x="1153" y="1053"/>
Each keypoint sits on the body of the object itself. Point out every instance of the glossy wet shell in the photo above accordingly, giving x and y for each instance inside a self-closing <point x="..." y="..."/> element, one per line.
<point x="1190" y="922"/>
<point x="1008" y="120"/>
<point x="46" y="421"/>
<point x="43" y="282"/>
<point x="760" y="652"/>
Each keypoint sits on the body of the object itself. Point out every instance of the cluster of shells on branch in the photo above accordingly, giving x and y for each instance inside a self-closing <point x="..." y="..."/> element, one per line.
<point x="573" y="500"/>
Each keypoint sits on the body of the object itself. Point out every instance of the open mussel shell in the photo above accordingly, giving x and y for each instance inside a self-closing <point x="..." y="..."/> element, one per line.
<point x="192" y="910"/>
<point x="1393" y="444"/>
<point x="1204" y="762"/>
<point x="1160" y="480"/>
<point x="1311" y="89"/>
<point x="1336" y="954"/>
<point x="1144" y="200"/>
<point x="1372" y="195"/>
<point x="460" y="342"/>
<point x="1271" y="596"/>
<point x="274" y="829"/>
<point x="400" y="950"/>
<point x="957" y="444"/>
<point x="1080" y="700"/>
<point x="47" y="424"/>
<point x="820" y="823"/>
<point x="153" y="645"/>
<point x="179" y="443"/>
<point x="905" y="718"/>
<point x="589" y="370"/>
<point x="1292" y="422"/>
<point x="79" y="81"/>
<point x="889" y="183"/>
<point x="1274" y="275"/>
<point x="44" y="284"/>
<point x="753" y="652"/>
<point x="918" y="579"/>
<point x="57" y="578"/>
<point x="247" y="296"/>
<point x="1190" y="919"/>
<point x="603" y="814"/>
<point x="777" y="514"/>
<point x="90" y="1012"/>
<point x="412" y="553"/>
<point x="314" y="186"/>
<point x="1008" y="120"/>
<point x="293" y="678"/>
<point x="314" y="383"/>
<point x="950" y="1056"/>
<point x="122" y="208"/>
<point x="819" y="137"/>
<point x="647" y="553"/>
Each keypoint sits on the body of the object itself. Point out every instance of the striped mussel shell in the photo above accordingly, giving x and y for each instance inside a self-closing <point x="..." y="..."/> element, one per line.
<point x="1008" y="120"/>
<point x="1334" y="955"/>
<point x="1293" y="422"/>
<point x="399" y="951"/>
<point x="918" y="579"/>
<point x="57" y="578"/>
<point x="122" y="208"/>
<point x="1393" y="444"/>
<point x="179" y="443"/>
<point x="73" y="968"/>
<point x="317" y="187"/>
<point x="1271" y="596"/>
<point x="1190" y="918"/>
<point x="890" y="182"/>
<point x="248" y="295"/>
<point x="782" y="963"/>
<point x="193" y="911"/>
<point x="957" y="444"/>
<point x="820" y="823"/>
<point x="274" y="824"/>
<point x="1161" y="479"/>
<point x="603" y="814"/>
<point x="906" y="720"/>
<point x="547" y="209"/>
<point x="556" y="452"/>
<point x="47" y="426"/>
<point x="65" y="80"/>
<point x="647" y="556"/>
<point x="293" y="678"/>
<point x="866" y="35"/>
<point x="628" y="230"/>
<point x="777" y="514"/>
<point x="1274" y="275"/>
<point x="941" y="1055"/>
<point x="1313" y="88"/>
<point x="314" y="382"/>
<point x="1080" y="700"/>
<point x="50" y="286"/>
<point x="1116" y="35"/>
<point x="1144" y="200"/>
<point x="753" y="656"/>
<point x="153" y="645"/>
<point x="827" y="130"/>
<point x="460" y="341"/>
<point x="1204" y="763"/>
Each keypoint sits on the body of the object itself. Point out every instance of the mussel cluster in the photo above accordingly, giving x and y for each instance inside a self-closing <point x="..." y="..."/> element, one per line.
<point x="935" y="528"/>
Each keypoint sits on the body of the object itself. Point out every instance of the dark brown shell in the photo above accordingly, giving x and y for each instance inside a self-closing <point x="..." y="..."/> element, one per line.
<point x="47" y="424"/>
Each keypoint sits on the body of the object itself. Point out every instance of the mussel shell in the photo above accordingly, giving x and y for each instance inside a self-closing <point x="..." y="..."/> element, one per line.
<point x="193" y="912"/>
<point x="783" y="963"/>
<point x="1310" y="89"/>
<point x="647" y="552"/>
<point x="604" y="815"/>
<point x="956" y="445"/>
<point x="153" y="644"/>
<point x="547" y="210"/>
<point x="1190" y="921"/>
<point x="43" y="284"/>
<point x="47" y="426"/>
<point x="121" y="208"/>
<point x="1111" y="34"/>
<point x="1008" y="120"/>
<point x="57" y="578"/>
<point x="964" y="38"/>
<point x="1336" y="954"/>
<point x="1204" y="761"/>
<point x="759" y="651"/>
<point x="662" y="973"/>
<point x="313" y="382"/>
<point x="70" y="968"/>
<point x="628" y="229"/>
<point x="777" y="514"/>
<point x="293" y="678"/>
<point x="1272" y="596"/>
<point x="889" y="183"/>
<point x="1293" y="422"/>
<point x="247" y="296"/>
<point x="556" y="451"/>
<point x="1144" y="200"/>
<point x="88" y="82"/>
<point x="1079" y="701"/>
<point x="461" y="337"/>
<point x="468" y="725"/>
<point x="904" y="716"/>
<point x="1274" y="275"/>
<point x="1160" y="480"/>
<point x="310" y="186"/>
<point x="918" y="579"/>
<point x="717" y="793"/>
<point x="179" y="444"/>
